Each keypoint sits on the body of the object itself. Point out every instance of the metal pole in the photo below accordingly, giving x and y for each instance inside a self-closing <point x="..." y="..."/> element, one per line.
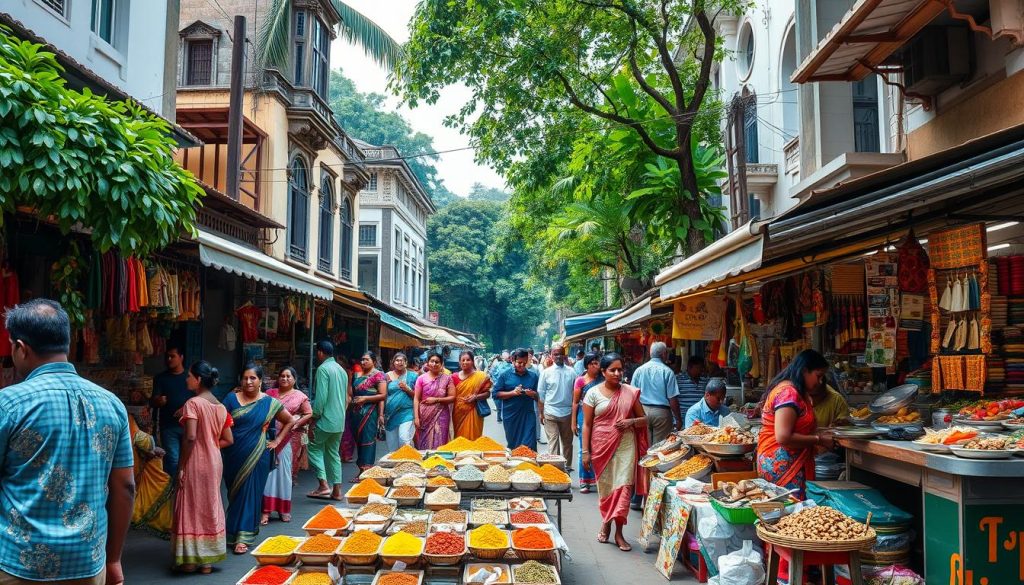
<point x="312" y="349"/>
<point x="235" y="105"/>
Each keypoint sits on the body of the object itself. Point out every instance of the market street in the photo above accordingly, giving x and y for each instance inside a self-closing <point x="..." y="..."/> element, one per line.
<point x="147" y="558"/>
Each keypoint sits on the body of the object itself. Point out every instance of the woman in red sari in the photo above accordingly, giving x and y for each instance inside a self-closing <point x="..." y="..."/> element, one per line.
<point x="789" y="436"/>
<point x="614" y="440"/>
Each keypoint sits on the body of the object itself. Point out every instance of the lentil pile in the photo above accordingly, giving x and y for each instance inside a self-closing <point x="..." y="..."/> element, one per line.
<point x="534" y="572"/>
<point x="443" y="496"/>
<point x="321" y="543"/>
<point x="529" y="517"/>
<point x="377" y="509"/>
<point x="532" y="538"/>
<point x="365" y="488"/>
<point x="409" y="467"/>
<point x="397" y="579"/>
<point x="489" y="517"/>
<point x="415" y="528"/>
<point x="405" y="492"/>
<point x="402" y="544"/>
<point x="328" y="518"/>
<point x="524" y="451"/>
<point x="525" y="476"/>
<point x="489" y="504"/>
<point x="405" y="453"/>
<point x="313" y="579"/>
<point x="821" y="523"/>
<point x="449" y="517"/>
<point x="497" y="474"/>
<point x="411" y="481"/>
<point x="488" y="536"/>
<point x="278" y="545"/>
<point x="268" y="575"/>
<point x="468" y="473"/>
<point x="362" y="542"/>
<point x="445" y="543"/>
<point x="377" y="473"/>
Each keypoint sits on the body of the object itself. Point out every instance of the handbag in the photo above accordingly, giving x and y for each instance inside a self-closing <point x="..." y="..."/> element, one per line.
<point x="482" y="408"/>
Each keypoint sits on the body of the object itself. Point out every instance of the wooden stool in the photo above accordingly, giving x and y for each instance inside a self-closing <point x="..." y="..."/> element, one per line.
<point x="798" y="558"/>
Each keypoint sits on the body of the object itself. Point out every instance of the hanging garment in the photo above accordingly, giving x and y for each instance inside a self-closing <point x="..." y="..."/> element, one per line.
<point x="975" y="293"/>
<point x="131" y="282"/>
<point x="956" y="303"/>
<point x="228" y="338"/>
<point x="947" y="340"/>
<point x="912" y="265"/>
<point x="974" y="334"/>
<point x="94" y="292"/>
<point x="10" y="295"/>
<point x="946" y="302"/>
<point x="961" y="335"/>
<point x="965" y="299"/>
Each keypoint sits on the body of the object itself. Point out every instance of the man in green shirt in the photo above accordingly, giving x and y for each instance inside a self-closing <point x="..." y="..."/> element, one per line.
<point x="330" y="391"/>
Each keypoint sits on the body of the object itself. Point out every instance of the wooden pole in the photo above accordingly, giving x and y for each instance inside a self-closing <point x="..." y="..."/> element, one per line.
<point x="235" y="105"/>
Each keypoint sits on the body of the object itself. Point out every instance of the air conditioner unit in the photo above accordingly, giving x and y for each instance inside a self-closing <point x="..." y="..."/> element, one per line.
<point x="936" y="59"/>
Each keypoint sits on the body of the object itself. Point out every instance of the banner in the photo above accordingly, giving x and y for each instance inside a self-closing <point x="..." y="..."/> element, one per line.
<point x="698" y="318"/>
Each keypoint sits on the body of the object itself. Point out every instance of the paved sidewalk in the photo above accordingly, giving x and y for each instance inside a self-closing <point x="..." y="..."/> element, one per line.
<point x="146" y="558"/>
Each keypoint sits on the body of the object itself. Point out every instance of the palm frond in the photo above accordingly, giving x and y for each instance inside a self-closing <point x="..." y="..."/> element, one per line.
<point x="376" y="43"/>
<point x="275" y="37"/>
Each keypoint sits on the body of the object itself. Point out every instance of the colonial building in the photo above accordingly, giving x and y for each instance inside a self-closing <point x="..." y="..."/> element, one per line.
<point x="393" y="232"/>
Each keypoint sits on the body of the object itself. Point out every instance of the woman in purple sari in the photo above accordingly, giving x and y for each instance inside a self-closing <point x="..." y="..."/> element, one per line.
<point x="432" y="404"/>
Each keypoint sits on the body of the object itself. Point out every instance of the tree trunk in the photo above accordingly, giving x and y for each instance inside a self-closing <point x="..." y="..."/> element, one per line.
<point x="690" y="207"/>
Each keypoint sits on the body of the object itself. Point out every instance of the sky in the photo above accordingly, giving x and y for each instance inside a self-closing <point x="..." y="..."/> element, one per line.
<point x="457" y="169"/>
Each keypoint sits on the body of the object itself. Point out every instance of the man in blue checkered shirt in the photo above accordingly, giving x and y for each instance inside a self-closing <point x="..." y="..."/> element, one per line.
<point x="66" y="478"/>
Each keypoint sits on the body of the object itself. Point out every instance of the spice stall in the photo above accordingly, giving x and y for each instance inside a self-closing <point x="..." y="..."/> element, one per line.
<point x="465" y="513"/>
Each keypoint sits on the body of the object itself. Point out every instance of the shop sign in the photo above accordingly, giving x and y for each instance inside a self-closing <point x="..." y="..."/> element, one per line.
<point x="698" y="318"/>
<point x="993" y="535"/>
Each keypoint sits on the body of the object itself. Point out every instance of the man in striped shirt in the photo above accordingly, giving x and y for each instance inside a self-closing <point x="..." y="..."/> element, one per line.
<point x="692" y="383"/>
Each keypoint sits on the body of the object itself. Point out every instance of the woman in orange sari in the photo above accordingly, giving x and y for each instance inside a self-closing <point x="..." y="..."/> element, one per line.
<point x="471" y="386"/>
<point x="789" y="437"/>
<point x="153" y="489"/>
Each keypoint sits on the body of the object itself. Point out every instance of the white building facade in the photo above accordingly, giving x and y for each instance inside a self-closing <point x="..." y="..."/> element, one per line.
<point x="393" y="232"/>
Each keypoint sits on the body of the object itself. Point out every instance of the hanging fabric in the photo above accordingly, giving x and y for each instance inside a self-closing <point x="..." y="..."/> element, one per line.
<point x="961" y="335"/>
<point x="974" y="334"/>
<point x="946" y="302"/>
<point x="974" y="294"/>
<point x="947" y="340"/>
<point x="957" y="302"/>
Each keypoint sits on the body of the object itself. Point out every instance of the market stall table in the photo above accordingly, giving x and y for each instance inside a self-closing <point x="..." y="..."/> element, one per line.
<point x="557" y="497"/>
<point x="981" y="497"/>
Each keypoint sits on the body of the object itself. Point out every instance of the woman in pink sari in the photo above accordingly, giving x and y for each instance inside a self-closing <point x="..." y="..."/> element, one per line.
<point x="614" y="440"/>
<point x="432" y="405"/>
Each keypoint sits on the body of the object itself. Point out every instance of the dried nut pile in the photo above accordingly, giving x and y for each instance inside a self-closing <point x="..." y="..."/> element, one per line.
<point x="489" y="517"/>
<point x="497" y="474"/>
<point x="443" y="496"/>
<point x="449" y="516"/>
<point x="409" y="468"/>
<point x="415" y="528"/>
<point x="377" y="473"/>
<point x="377" y="509"/>
<point x="821" y="523"/>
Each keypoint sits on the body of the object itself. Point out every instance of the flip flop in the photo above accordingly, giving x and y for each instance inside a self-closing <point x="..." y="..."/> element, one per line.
<point x="625" y="548"/>
<point x="319" y="495"/>
<point x="602" y="537"/>
<point x="245" y="549"/>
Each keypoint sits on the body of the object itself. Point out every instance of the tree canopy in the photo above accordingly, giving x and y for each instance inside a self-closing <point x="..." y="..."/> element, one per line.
<point x="116" y="174"/>
<point x="474" y="285"/>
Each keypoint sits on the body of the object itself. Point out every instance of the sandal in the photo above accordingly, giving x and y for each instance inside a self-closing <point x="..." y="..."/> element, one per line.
<point x="320" y="494"/>
<point x="241" y="548"/>
<point x="286" y="517"/>
<point x="585" y="489"/>
<point x="623" y="546"/>
<point x="264" y="519"/>
<point x="205" y="569"/>
<point x="602" y="537"/>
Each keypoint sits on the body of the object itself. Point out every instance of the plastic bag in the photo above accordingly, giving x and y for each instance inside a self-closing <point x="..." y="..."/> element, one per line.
<point x="742" y="567"/>
<point x="716" y="536"/>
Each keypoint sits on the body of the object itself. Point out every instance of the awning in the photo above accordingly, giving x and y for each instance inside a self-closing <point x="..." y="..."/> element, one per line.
<point x="867" y="35"/>
<point x="573" y="326"/>
<point x="740" y="251"/>
<point x="584" y="335"/>
<point x="391" y="339"/>
<point x="217" y="252"/>
<point x="636" y="312"/>
<point x="398" y="324"/>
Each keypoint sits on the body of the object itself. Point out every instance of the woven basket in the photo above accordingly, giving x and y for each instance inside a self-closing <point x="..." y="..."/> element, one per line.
<point x="535" y="554"/>
<point x="445" y="560"/>
<point x="489" y="554"/>
<point x="862" y="543"/>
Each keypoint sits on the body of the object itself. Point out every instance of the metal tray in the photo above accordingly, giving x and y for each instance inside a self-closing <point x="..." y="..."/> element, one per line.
<point x="984" y="453"/>
<point x="726" y="449"/>
<point x="856" y="432"/>
<point x="895" y="399"/>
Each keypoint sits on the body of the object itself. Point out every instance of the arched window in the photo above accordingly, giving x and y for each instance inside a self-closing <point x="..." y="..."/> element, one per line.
<point x="346" y="239"/>
<point x="788" y="89"/>
<point x="326" y="224"/>
<point x="298" y="210"/>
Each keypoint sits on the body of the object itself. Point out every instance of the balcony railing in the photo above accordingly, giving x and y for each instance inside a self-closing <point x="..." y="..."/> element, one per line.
<point x="232" y="228"/>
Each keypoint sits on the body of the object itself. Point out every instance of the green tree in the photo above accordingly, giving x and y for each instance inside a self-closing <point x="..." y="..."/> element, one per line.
<point x="480" y="192"/>
<point x="475" y="286"/>
<point x="275" y="39"/>
<point x="532" y="66"/>
<point x="115" y="171"/>
<point x="367" y="117"/>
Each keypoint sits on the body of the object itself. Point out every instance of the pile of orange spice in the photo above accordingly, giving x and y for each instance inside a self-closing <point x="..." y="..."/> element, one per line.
<point x="524" y="451"/>
<point x="321" y="543"/>
<point x="532" y="538"/>
<point x="551" y="474"/>
<point x="405" y="492"/>
<point x="328" y="518"/>
<point x="362" y="542"/>
<point x="441" y="481"/>
<point x="405" y="453"/>
<point x="268" y="575"/>
<point x="487" y="444"/>
<point x="397" y="579"/>
<point x="527" y="466"/>
<point x="365" y="488"/>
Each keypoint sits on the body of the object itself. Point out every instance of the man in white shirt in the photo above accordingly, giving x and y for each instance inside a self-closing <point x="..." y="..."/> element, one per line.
<point x="555" y="395"/>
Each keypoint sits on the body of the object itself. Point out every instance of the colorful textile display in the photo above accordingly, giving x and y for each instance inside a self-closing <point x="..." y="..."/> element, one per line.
<point x="960" y="247"/>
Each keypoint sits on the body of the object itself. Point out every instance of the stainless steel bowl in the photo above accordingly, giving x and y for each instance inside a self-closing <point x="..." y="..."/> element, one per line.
<point x="725" y="449"/>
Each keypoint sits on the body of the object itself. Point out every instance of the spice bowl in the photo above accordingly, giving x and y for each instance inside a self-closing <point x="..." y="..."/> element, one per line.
<point x="382" y="573"/>
<point x="536" y="554"/>
<point x="556" y="581"/>
<point x="497" y="486"/>
<point x="317" y="558"/>
<point x="468" y="484"/>
<point x="489" y="554"/>
<point x="359" y="558"/>
<point x="505" y="577"/>
<point x="263" y="558"/>
<point x="438" y="560"/>
<point x="525" y="486"/>
<point x="390" y="560"/>
<point x="410" y="501"/>
<point x="555" y="487"/>
<point x="475" y="521"/>
<point x="246" y="577"/>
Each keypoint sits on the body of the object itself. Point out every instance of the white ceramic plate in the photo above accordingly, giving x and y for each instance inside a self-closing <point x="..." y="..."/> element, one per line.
<point x="983" y="453"/>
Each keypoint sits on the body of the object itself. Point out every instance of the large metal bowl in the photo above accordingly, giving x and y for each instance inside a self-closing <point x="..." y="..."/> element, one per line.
<point x="725" y="449"/>
<point x="895" y="399"/>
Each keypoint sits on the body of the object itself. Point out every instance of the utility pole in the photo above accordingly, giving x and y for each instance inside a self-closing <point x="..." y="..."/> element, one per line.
<point x="235" y="104"/>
